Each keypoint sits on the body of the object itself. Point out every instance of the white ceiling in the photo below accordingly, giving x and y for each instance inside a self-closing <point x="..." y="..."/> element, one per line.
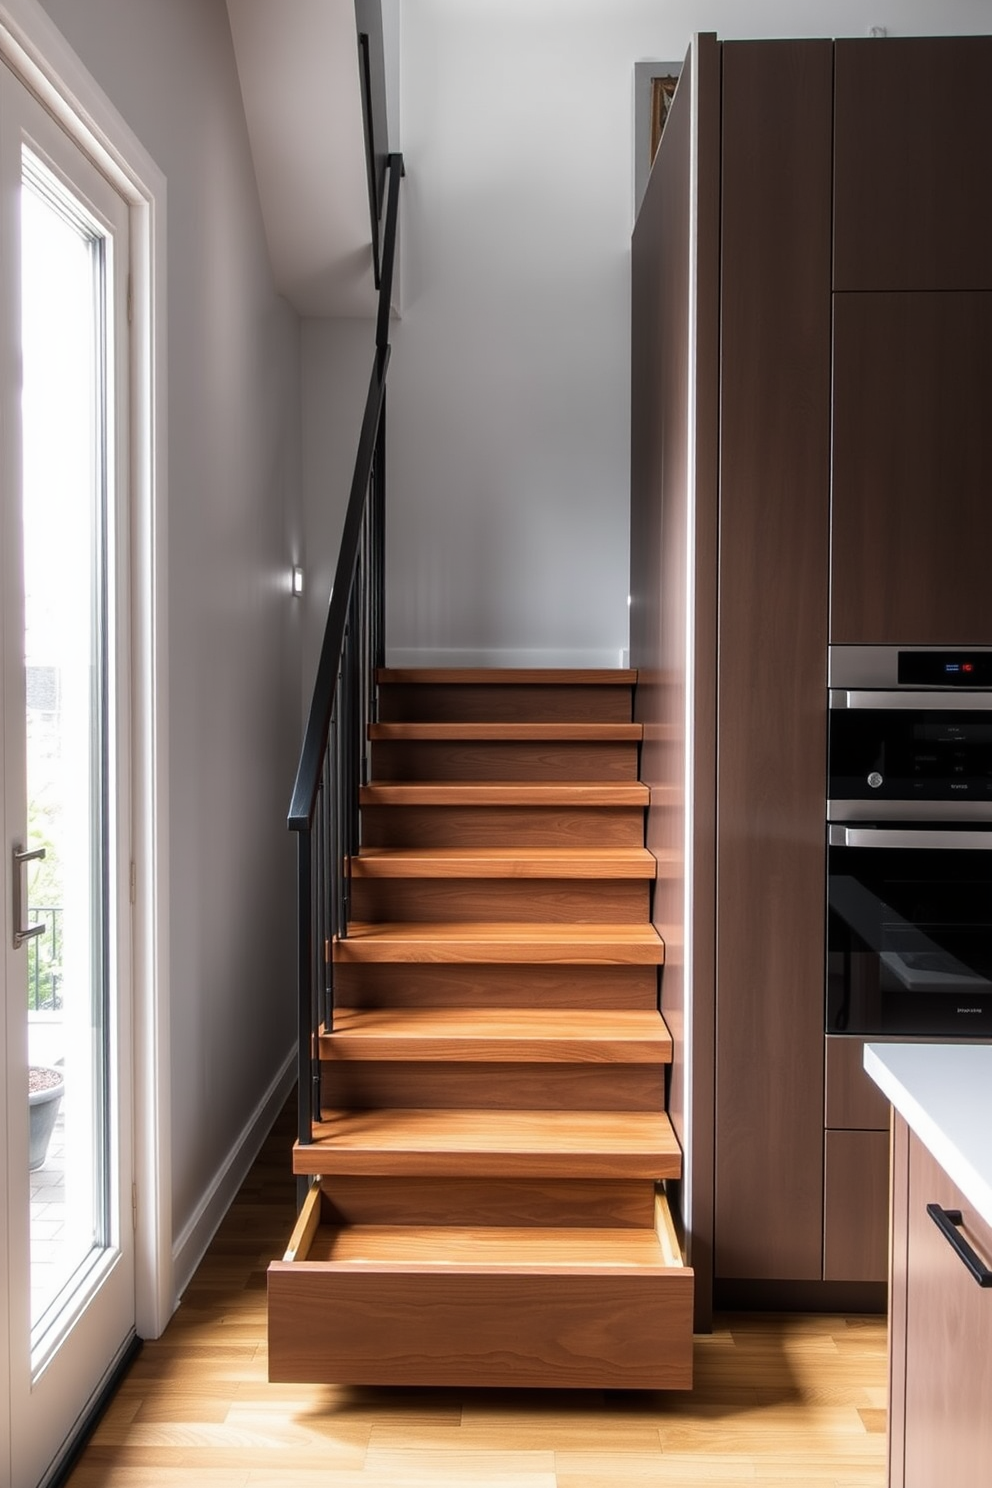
<point x="298" y="64"/>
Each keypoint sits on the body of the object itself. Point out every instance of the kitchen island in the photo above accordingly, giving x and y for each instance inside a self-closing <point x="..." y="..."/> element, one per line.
<point x="940" y="1284"/>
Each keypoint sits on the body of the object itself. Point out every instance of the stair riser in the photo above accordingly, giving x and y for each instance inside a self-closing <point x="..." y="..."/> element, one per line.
<point x="605" y="1330"/>
<point x="423" y="760"/>
<point x="575" y="987"/>
<point x="424" y="1085"/>
<point x="502" y="826"/>
<point x="467" y="1201"/>
<point x="399" y="703"/>
<point x="528" y="901"/>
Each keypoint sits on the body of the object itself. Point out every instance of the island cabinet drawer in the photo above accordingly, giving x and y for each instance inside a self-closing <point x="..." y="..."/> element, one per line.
<point x="942" y="1326"/>
<point x="403" y="1304"/>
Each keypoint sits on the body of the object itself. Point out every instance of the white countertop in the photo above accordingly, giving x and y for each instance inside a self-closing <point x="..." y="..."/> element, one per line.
<point x="944" y="1092"/>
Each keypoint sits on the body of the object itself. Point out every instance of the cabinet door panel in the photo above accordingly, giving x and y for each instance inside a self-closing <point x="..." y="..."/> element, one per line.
<point x="772" y="650"/>
<point x="913" y="147"/>
<point x="948" y="1342"/>
<point x="853" y="1100"/>
<point x="856" y="1206"/>
<point x="912" y="469"/>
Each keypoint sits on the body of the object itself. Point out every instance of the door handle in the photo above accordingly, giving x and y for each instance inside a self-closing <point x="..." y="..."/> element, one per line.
<point x="24" y="932"/>
<point x="965" y="840"/>
<point x="947" y="1221"/>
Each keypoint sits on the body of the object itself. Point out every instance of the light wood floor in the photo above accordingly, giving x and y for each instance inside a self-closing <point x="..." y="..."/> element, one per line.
<point x="777" y="1400"/>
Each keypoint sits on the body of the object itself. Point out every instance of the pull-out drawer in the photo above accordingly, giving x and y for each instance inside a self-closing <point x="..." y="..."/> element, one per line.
<point x="567" y="1307"/>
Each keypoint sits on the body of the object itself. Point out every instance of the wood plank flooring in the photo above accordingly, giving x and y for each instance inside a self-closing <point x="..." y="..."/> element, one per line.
<point x="778" y="1400"/>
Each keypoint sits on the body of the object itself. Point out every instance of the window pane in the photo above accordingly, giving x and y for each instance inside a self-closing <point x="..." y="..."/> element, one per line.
<point x="65" y="520"/>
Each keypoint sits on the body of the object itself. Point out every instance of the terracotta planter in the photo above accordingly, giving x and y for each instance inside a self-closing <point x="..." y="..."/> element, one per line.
<point x="46" y="1085"/>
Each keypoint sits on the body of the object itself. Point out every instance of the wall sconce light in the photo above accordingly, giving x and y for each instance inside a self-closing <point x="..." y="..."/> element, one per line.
<point x="296" y="581"/>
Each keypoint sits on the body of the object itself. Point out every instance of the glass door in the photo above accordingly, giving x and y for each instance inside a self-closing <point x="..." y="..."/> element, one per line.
<point x="70" y="1266"/>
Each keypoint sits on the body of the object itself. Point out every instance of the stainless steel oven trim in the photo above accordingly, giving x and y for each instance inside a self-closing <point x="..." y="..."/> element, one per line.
<point x="878" y="666"/>
<point x="947" y="700"/>
<point x="909" y="839"/>
<point x="868" y="810"/>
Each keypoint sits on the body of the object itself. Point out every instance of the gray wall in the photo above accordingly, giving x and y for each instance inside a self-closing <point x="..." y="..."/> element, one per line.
<point x="234" y="523"/>
<point x="337" y="360"/>
<point x="509" y="389"/>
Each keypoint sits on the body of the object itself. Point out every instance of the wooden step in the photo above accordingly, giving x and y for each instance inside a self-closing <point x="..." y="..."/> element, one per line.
<point x="469" y="1306"/>
<point x="507" y="676"/>
<point x="504" y="733"/>
<point x="502" y="884"/>
<point x="496" y="696"/>
<point x="520" y="1036"/>
<point x="434" y="985"/>
<point x="484" y="1143"/>
<point x="528" y="1058"/>
<point x="505" y="751"/>
<point x="502" y="826"/>
<point x="490" y="1085"/>
<point x="613" y="901"/>
<point x="487" y="942"/>
<point x="473" y="760"/>
<point x="504" y="862"/>
<point x="505" y="793"/>
<point x="503" y="814"/>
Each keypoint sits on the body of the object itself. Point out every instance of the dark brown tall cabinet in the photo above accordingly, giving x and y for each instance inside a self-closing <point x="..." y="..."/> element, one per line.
<point x="811" y="462"/>
<point x="912" y="436"/>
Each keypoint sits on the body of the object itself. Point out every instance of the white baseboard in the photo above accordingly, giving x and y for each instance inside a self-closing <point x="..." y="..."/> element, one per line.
<point x="191" y="1244"/>
<point x="508" y="656"/>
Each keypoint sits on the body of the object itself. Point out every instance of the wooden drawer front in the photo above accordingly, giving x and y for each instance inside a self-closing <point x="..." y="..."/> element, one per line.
<point x="856" y="1210"/>
<point x="853" y="1100"/>
<point x="392" y="1305"/>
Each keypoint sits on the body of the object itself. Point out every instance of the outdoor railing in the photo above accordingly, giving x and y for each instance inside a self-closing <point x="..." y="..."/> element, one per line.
<point x="45" y="959"/>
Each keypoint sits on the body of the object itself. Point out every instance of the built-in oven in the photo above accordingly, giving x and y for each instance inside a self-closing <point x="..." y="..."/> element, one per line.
<point x="909" y="842"/>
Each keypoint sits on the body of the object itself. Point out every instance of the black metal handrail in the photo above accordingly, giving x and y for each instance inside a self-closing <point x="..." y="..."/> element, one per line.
<point x="333" y="761"/>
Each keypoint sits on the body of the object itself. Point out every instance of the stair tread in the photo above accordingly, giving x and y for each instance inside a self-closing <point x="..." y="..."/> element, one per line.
<point x="504" y="862"/>
<point x="504" y="793"/>
<point x="510" y="676"/>
<point x="506" y="940"/>
<point x="486" y="1143"/>
<point x="497" y="1247"/>
<point x="564" y="733"/>
<point x="517" y="1035"/>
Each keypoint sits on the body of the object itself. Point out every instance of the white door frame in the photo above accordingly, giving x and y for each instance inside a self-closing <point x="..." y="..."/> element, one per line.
<point x="38" y="53"/>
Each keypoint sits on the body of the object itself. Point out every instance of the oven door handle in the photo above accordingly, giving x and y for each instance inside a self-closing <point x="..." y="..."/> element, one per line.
<point x="946" y="700"/>
<point x="895" y="837"/>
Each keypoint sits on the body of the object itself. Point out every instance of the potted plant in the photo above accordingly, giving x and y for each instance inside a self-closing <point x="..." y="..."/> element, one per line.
<point x="45" y="1087"/>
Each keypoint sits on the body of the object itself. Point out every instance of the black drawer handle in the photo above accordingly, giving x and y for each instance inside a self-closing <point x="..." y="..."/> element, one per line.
<point x="947" y="1221"/>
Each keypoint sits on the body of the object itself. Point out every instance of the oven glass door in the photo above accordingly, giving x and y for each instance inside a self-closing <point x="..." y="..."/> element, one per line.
<point x="909" y="932"/>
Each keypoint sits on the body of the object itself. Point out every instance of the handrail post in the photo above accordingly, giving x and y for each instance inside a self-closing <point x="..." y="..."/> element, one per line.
<point x="304" y="1068"/>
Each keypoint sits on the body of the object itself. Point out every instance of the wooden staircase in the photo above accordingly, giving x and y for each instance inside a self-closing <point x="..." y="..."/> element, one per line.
<point x="490" y="1160"/>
